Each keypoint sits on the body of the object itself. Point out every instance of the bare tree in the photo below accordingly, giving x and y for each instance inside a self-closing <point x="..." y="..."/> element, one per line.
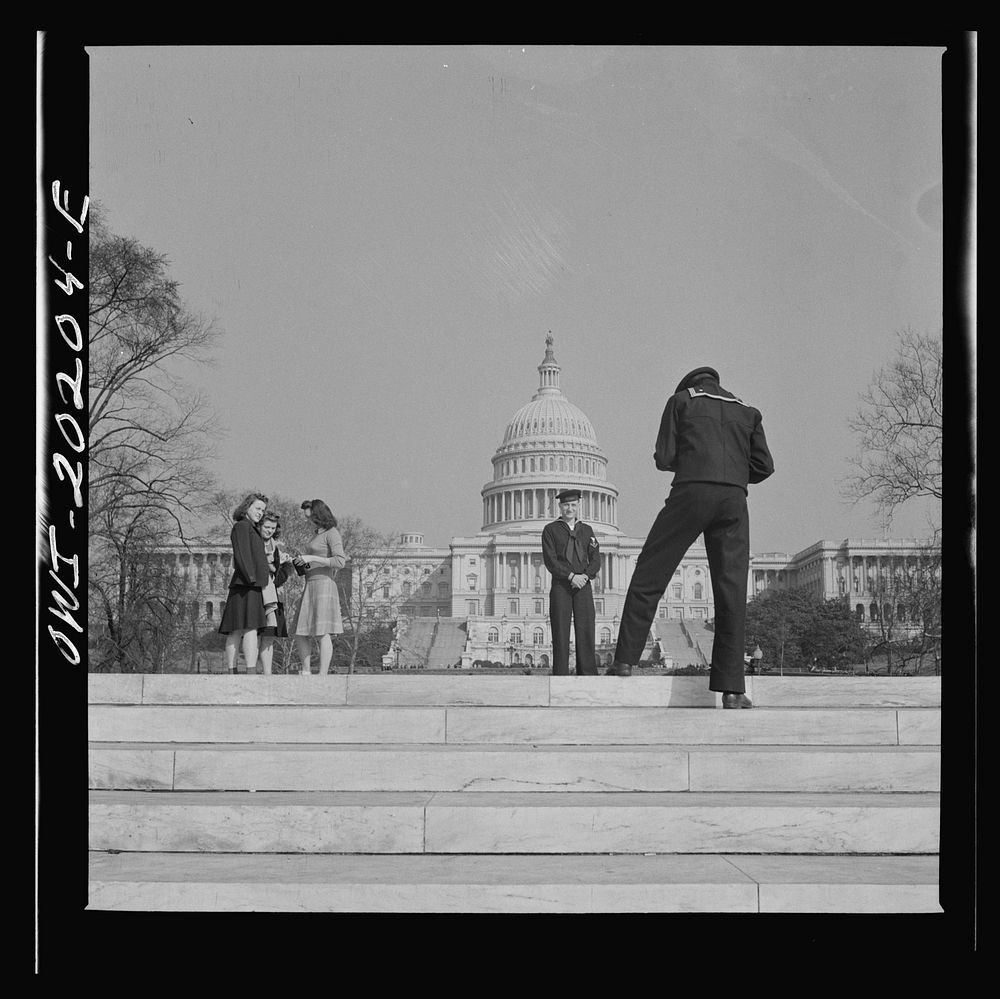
<point x="370" y="570"/>
<point x="899" y="427"/>
<point x="906" y="624"/>
<point x="136" y="602"/>
<point x="148" y="432"/>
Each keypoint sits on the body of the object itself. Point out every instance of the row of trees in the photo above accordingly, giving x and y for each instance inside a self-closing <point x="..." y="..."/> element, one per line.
<point x="798" y="630"/>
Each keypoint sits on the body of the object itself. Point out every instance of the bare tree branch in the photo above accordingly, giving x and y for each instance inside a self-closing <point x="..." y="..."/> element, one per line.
<point x="148" y="443"/>
<point x="900" y="428"/>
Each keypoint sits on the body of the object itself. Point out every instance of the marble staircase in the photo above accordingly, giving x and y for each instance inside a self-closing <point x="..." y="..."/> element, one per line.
<point x="449" y="643"/>
<point x="674" y="644"/>
<point x="513" y="793"/>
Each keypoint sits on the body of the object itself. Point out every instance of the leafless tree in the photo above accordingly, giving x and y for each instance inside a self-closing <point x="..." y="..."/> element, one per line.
<point x="906" y="625"/>
<point x="372" y="556"/>
<point x="148" y="432"/>
<point x="900" y="426"/>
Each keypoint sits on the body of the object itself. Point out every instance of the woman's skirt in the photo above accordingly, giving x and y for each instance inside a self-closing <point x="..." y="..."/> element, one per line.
<point x="244" y="610"/>
<point x="319" y="609"/>
<point x="281" y="631"/>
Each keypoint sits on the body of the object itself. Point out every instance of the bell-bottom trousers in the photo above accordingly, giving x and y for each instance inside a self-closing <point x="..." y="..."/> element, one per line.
<point x="720" y="513"/>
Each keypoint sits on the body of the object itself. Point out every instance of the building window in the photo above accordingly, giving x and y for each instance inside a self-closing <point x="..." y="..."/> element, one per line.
<point x="598" y="606"/>
<point x="472" y="607"/>
<point x="208" y="610"/>
<point x="369" y="591"/>
<point x="698" y="591"/>
<point x="515" y="636"/>
<point x="605" y="636"/>
<point x="406" y="589"/>
<point x="493" y="635"/>
<point x="663" y="612"/>
<point x="513" y="606"/>
<point x="385" y="592"/>
<point x="539" y="607"/>
<point x="443" y="589"/>
<point x="677" y="591"/>
<point x="538" y="637"/>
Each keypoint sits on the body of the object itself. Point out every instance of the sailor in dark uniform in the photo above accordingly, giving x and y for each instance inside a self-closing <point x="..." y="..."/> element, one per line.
<point x="714" y="444"/>
<point x="573" y="557"/>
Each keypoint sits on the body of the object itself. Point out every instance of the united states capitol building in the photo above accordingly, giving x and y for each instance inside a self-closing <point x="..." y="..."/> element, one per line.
<point x="484" y="598"/>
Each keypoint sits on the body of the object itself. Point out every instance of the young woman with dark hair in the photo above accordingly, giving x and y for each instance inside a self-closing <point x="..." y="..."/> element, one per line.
<point x="245" y="612"/>
<point x="280" y="565"/>
<point x="319" y="610"/>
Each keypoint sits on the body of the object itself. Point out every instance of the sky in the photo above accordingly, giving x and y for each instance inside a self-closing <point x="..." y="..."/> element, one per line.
<point x="383" y="236"/>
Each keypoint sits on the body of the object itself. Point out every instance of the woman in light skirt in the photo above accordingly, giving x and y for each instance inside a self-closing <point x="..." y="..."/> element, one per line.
<point x="319" y="610"/>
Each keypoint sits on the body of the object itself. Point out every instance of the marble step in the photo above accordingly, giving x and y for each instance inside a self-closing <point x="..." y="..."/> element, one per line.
<point x="514" y="690"/>
<point x="589" y="725"/>
<point x="462" y="883"/>
<point x="294" y="767"/>
<point x="512" y="822"/>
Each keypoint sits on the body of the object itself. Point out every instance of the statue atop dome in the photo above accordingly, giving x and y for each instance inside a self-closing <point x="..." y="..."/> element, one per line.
<point x="548" y="370"/>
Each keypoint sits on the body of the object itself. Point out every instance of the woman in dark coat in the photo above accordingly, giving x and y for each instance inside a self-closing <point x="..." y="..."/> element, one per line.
<point x="280" y="565"/>
<point x="244" y="612"/>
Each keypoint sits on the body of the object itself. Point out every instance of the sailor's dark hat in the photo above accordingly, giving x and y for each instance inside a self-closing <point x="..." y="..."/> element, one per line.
<point x="691" y="376"/>
<point x="568" y="494"/>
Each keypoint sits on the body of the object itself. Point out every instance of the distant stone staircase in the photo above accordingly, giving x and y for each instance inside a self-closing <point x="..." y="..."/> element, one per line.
<point x="701" y="639"/>
<point x="674" y="644"/>
<point x="414" y="642"/>
<point x="450" y="639"/>
<point x="470" y="793"/>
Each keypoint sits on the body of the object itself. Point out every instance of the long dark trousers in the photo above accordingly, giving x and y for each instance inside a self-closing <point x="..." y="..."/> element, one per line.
<point x="566" y="602"/>
<point x="720" y="513"/>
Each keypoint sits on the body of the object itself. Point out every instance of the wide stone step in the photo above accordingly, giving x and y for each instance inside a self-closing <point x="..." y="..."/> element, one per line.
<point x="293" y="767"/>
<point x="502" y="725"/>
<point x="585" y="883"/>
<point x="508" y="822"/>
<point x="514" y="690"/>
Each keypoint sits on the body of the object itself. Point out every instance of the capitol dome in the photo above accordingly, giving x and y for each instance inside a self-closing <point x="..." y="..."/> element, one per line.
<point x="549" y="444"/>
